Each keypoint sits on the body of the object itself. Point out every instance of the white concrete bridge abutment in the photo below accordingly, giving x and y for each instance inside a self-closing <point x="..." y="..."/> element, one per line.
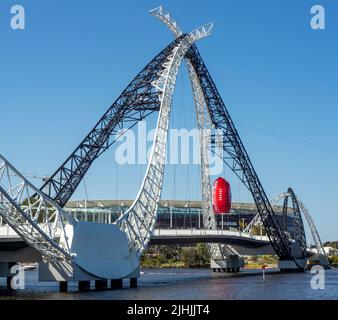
<point x="231" y="263"/>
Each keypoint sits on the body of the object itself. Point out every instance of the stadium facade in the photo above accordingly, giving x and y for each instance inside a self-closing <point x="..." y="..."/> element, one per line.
<point x="172" y="214"/>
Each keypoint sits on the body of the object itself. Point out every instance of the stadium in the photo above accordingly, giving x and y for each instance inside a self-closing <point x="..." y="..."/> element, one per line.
<point x="173" y="214"/>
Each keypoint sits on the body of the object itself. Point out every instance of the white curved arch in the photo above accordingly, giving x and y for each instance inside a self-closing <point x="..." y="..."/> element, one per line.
<point x="139" y="221"/>
<point x="307" y="215"/>
<point x="168" y="20"/>
<point x="279" y="197"/>
<point x="256" y="221"/>
<point x="41" y="223"/>
<point x="313" y="229"/>
<point x="205" y="126"/>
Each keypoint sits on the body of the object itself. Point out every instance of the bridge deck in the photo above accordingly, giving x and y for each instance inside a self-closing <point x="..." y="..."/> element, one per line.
<point x="244" y="243"/>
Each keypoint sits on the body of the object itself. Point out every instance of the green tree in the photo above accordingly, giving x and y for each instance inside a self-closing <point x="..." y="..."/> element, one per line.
<point x="203" y="254"/>
<point x="190" y="257"/>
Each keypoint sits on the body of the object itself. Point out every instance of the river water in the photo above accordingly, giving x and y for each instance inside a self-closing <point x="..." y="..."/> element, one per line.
<point x="190" y="284"/>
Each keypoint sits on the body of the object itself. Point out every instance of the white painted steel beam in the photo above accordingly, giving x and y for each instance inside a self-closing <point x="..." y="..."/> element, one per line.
<point x="205" y="127"/>
<point x="139" y="221"/>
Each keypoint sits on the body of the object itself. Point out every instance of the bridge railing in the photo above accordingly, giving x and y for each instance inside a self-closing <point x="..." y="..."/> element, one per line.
<point x="7" y="231"/>
<point x="204" y="232"/>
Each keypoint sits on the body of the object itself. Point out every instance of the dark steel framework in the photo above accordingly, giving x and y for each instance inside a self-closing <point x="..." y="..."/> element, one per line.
<point x="299" y="232"/>
<point x="140" y="100"/>
<point x="237" y="158"/>
<point x="285" y="213"/>
<point x="137" y="101"/>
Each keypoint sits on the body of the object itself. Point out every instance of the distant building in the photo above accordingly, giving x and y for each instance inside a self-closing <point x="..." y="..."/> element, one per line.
<point x="331" y="251"/>
<point x="172" y="214"/>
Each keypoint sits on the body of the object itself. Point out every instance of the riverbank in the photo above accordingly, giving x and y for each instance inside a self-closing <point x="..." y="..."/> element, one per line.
<point x="167" y="257"/>
<point x="191" y="259"/>
<point x="164" y="257"/>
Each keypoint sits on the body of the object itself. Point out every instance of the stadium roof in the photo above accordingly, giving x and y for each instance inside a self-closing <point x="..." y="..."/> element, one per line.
<point x="91" y="204"/>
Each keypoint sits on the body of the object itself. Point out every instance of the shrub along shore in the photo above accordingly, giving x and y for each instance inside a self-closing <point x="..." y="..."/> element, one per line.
<point x="193" y="257"/>
<point x="199" y="257"/>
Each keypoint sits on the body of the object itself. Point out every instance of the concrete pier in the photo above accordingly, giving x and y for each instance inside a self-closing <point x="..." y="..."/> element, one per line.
<point x="63" y="286"/>
<point x="84" y="285"/>
<point x="133" y="282"/>
<point x="230" y="264"/>
<point x="101" y="284"/>
<point x="8" y="283"/>
<point x="116" y="284"/>
<point x="291" y="266"/>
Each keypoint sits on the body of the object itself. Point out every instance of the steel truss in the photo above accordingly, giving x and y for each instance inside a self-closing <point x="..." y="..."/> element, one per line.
<point x="66" y="179"/>
<point x="205" y="128"/>
<point x="313" y="229"/>
<point x="235" y="155"/>
<point x="285" y="214"/>
<point x="149" y="92"/>
<point x="298" y="209"/>
<point x="139" y="221"/>
<point x="40" y="221"/>
<point x="298" y="234"/>
<point x="34" y="217"/>
<point x="137" y="101"/>
<point x="237" y="158"/>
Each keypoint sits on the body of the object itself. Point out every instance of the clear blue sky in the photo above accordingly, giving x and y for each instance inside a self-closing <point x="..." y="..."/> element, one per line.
<point x="274" y="72"/>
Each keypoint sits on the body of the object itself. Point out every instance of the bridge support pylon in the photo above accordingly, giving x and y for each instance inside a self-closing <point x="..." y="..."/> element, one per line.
<point x="63" y="286"/>
<point x="297" y="265"/>
<point x="231" y="263"/>
<point x="318" y="259"/>
<point x="116" y="284"/>
<point x="133" y="282"/>
<point x="101" y="284"/>
<point x="9" y="283"/>
<point x="84" y="286"/>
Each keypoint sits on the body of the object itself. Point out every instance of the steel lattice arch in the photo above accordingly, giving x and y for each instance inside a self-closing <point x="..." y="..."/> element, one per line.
<point x="37" y="214"/>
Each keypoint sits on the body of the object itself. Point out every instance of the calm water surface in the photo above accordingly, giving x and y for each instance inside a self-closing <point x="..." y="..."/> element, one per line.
<point x="193" y="284"/>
